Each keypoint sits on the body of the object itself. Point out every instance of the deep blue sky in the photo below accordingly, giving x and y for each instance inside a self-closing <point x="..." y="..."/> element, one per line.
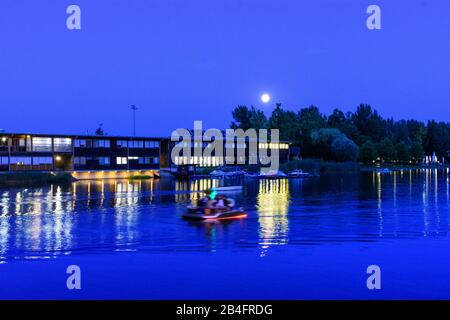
<point x="186" y="60"/>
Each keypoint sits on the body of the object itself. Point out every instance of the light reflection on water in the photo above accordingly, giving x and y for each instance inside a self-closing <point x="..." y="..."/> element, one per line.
<point x="119" y="215"/>
<point x="273" y="206"/>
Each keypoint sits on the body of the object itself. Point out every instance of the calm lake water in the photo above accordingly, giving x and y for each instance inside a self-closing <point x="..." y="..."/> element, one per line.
<point x="311" y="238"/>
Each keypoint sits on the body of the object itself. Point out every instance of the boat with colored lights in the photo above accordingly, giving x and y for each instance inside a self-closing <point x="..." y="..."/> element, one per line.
<point x="196" y="213"/>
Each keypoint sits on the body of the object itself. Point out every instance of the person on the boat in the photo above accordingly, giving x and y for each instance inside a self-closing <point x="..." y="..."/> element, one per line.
<point x="202" y="202"/>
<point x="229" y="203"/>
<point x="210" y="201"/>
<point x="220" y="202"/>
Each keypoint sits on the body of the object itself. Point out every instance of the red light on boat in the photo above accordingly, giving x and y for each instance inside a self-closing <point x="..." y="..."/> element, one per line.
<point x="228" y="218"/>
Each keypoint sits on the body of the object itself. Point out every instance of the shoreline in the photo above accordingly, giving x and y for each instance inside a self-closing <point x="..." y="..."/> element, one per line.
<point x="32" y="179"/>
<point x="313" y="166"/>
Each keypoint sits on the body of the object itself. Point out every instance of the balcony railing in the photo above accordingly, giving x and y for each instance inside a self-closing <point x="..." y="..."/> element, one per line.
<point x="29" y="167"/>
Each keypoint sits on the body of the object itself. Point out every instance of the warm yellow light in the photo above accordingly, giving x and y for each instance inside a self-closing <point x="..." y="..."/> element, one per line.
<point x="3" y="139"/>
<point x="58" y="158"/>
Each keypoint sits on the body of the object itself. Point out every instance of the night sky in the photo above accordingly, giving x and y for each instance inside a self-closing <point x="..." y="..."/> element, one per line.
<point x="181" y="61"/>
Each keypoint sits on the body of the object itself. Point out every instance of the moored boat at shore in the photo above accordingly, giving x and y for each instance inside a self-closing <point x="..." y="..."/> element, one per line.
<point x="226" y="174"/>
<point x="271" y="174"/>
<point x="299" y="174"/>
<point x="383" y="171"/>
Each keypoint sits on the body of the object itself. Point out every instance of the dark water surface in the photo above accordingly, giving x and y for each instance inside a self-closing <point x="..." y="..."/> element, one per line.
<point x="311" y="238"/>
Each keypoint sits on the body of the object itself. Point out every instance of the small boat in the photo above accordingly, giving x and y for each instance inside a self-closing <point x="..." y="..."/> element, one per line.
<point x="383" y="171"/>
<point x="272" y="174"/>
<point x="196" y="213"/>
<point x="225" y="174"/>
<point x="299" y="174"/>
<point x="218" y="174"/>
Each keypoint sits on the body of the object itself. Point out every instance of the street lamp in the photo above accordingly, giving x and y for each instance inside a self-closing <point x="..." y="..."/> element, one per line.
<point x="134" y="108"/>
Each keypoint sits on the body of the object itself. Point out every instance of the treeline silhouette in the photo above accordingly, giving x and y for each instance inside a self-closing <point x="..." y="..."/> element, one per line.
<point x="362" y="135"/>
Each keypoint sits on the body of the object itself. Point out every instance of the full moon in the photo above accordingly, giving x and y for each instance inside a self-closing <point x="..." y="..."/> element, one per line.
<point x="265" y="98"/>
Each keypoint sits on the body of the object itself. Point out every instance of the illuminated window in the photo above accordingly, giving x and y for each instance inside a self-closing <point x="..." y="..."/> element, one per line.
<point x="121" y="160"/>
<point x="61" y="144"/>
<point x="42" y="144"/>
<point x="4" y="161"/>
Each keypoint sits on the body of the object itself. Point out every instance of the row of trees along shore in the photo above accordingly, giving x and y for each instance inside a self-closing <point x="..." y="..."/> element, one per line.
<point x="362" y="135"/>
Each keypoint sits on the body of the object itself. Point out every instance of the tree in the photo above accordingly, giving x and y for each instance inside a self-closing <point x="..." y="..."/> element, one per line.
<point x="310" y="119"/>
<point x="417" y="130"/>
<point x="286" y="121"/>
<point x="336" y="119"/>
<point x="99" y="131"/>
<point x="402" y="152"/>
<point x="417" y="152"/>
<point x="344" y="123"/>
<point x="321" y="141"/>
<point x="258" y="119"/>
<point x="245" y="118"/>
<point x="332" y="144"/>
<point x="241" y="116"/>
<point x="437" y="138"/>
<point x="344" y="149"/>
<point x="399" y="131"/>
<point x="368" y="152"/>
<point x="369" y="124"/>
<point x="325" y="137"/>
<point x="386" y="150"/>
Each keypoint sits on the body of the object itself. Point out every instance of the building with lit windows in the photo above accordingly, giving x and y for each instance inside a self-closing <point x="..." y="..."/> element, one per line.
<point x="86" y="156"/>
<point x="97" y="157"/>
<point x="237" y="151"/>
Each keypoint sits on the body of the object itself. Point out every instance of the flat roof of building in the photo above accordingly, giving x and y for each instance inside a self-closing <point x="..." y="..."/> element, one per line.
<point x="86" y="136"/>
<point x="93" y="136"/>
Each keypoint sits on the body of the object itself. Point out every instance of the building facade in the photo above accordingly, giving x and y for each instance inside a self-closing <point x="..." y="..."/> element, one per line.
<point x="236" y="151"/>
<point x="81" y="153"/>
<point x="93" y="156"/>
